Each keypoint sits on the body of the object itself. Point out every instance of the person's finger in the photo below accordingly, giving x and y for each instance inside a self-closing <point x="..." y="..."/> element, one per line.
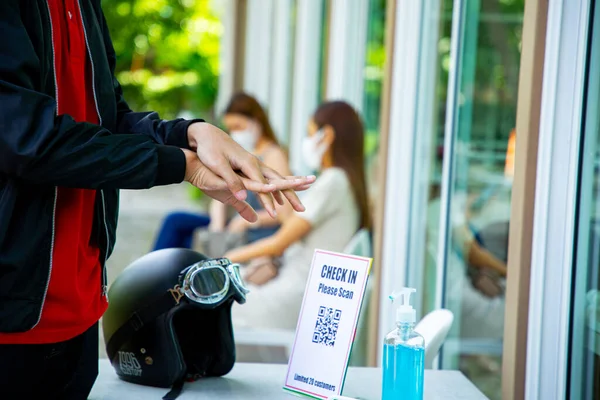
<point x="251" y="167"/>
<point x="288" y="186"/>
<point x="266" y="200"/>
<point x="223" y="169"/>
<point x="257" y="187"/>
<point x="293" y="199"/>
<point x="289" y="182"/>
<point x="278" y="197"/>
<point x="303" y="188"/>
<point x="259" y="172"/>
<point x="284" y="184"/>
<point x="205" y="179"/>
<point x="308" y="178"/>
<point x="243" y="209"/>
<point x="217" y="188"/>
<point x="297" y="183"/>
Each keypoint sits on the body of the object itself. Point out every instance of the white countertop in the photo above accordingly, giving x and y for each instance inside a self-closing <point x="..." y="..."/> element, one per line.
<point x="265" y="381"/>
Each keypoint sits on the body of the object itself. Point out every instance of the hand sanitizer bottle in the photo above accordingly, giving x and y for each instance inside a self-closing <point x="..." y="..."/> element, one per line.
<point x="403" y="354"/>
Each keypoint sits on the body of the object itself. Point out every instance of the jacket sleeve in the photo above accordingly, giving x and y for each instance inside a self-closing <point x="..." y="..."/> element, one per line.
<point x="148" y="123"/>
<point x="40" y="147"/>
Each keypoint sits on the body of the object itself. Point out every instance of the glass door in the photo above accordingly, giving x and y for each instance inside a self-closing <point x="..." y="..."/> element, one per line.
<point x="474" y="205"/>
<point x="585" y="307"/>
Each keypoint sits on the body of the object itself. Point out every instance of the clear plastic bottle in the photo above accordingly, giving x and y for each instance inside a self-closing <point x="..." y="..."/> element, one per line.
<point x="403" y="355"/>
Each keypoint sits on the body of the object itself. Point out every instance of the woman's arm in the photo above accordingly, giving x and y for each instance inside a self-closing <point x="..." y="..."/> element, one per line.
<point x="218" y="216"/>
<point x="481" y="258"/>
<point x="292" y="230"/>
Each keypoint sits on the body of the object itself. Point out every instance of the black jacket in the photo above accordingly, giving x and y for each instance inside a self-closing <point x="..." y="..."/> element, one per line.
<point x="40" y="151"/>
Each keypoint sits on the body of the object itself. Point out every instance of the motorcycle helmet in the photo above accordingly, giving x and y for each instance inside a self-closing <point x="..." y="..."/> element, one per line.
<point x="169" y="318"/>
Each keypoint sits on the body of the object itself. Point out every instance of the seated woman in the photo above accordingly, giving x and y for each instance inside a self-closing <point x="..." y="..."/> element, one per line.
<point x="248" y="125"/>
<point x="336" y="208"/>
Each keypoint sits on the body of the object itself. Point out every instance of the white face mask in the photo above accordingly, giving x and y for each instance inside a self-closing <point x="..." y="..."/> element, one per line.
<point x="313" y="150"/>
<point x="246" y="138"/>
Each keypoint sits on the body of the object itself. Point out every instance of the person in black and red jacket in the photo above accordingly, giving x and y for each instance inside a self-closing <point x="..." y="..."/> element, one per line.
<point x="68" y="142"/>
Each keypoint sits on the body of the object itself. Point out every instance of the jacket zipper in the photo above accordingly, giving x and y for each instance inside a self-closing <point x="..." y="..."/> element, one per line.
<point x="39" y="318"/>
<point x="87" y="45"/>
<point x="104" y="273"/>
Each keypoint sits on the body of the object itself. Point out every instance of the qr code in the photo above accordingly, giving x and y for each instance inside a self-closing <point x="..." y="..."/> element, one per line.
<point x="327" y="326"/>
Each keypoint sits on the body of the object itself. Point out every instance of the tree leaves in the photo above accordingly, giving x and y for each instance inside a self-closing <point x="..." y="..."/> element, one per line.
<point x="167" y="53"/>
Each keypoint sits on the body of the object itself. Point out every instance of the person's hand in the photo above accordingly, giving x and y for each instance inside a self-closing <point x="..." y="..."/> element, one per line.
<point x="204" y="179"/>
<point x="243" y="171"/>
<point x="238" y="225"/>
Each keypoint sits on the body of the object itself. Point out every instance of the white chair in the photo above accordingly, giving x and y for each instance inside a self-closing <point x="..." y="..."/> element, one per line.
<point x="359" y="245"/>
<point x="434" y="328"/>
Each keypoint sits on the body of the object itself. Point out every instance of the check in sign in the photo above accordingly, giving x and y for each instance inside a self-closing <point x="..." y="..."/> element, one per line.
<point x="327" y="323"/>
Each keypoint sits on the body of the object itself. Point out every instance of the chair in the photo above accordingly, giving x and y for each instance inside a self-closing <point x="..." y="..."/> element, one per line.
<point x="434" y="328"/>
<point x="359" y="245"/>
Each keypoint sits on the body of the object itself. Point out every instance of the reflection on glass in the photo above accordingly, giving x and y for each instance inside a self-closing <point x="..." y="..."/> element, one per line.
<point x="480" y="187"/>
<point x="585" y="321"/>
<point x="373" y="73"/>
<point x="431" y="137"/>
<point x="290" y="65"/>
<point x="323" y="50"/>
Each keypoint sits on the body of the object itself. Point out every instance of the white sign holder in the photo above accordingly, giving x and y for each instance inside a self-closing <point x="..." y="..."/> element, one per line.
<point x="327" y="324"/>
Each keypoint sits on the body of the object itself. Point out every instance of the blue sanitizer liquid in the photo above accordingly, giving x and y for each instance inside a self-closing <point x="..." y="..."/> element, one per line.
<point x="403" y="365"/>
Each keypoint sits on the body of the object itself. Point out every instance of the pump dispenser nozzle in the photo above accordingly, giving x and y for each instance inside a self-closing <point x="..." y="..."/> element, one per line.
<point x="405" y="313"/>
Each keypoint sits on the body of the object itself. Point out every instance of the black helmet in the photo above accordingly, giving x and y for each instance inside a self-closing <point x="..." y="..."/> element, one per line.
<point x="169" y="318"/>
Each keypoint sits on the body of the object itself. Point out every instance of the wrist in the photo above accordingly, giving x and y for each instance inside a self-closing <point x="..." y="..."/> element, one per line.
<point x="191" y="164"/>
<point x="193" y="133"/>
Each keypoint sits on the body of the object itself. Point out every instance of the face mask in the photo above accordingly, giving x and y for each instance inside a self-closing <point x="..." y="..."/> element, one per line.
<point x="246" y="138"/>
<point x="313" y="151"/>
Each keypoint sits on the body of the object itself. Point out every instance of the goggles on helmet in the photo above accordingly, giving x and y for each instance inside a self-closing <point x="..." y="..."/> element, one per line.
<point x="209" y="282"/>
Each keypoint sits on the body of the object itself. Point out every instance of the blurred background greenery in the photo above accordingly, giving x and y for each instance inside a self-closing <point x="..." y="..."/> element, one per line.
<point x="168" y="54"/>
<point x="373" y="75"/>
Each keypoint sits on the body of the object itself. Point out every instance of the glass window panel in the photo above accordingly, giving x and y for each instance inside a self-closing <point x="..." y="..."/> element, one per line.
<point x="290" y="65"/>
<point x="480" y="187"/>
<point x="323" y="50"/>
<point x="428" y="170"/>
<point x="373" y="72"/>
<point x="585" y="316"/>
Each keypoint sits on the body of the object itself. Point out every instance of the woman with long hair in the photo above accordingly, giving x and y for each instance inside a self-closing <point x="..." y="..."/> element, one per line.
<point x="336" y="208"/>
<point x="248" y="124"/>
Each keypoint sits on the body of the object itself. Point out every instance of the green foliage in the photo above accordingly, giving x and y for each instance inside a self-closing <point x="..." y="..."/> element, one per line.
<point x="167" y="53"/>
<point x="497" y="62"/>
<point x="373" y="75"/>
